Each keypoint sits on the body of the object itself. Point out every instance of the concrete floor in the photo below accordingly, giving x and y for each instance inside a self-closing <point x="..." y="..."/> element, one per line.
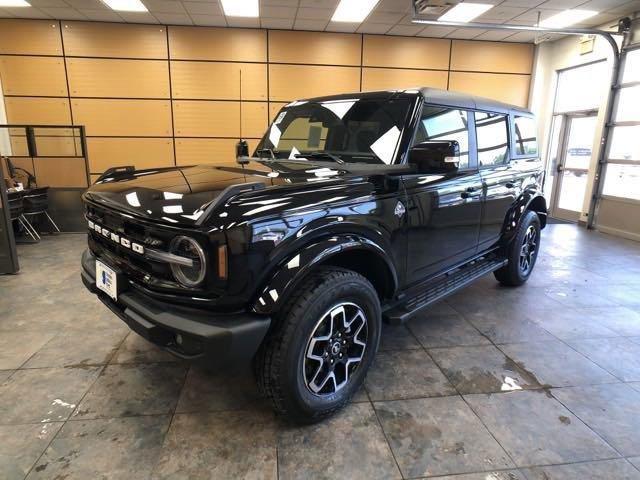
<point x="537" y="382"/>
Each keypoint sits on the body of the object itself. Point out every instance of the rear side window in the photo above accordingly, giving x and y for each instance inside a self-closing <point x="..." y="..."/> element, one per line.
<point x="442" y="123"/>
<point x="525" y="133"/>
<point x="492" y="138"/>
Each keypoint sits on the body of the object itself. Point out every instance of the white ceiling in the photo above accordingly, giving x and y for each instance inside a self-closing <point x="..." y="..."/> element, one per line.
<point x="390" y="17"/>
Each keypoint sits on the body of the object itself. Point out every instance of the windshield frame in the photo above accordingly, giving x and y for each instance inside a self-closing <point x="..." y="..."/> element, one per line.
<point x="415" y="100"/>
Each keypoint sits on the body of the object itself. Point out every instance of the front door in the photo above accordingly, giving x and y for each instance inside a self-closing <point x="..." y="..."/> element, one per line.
<point x="570" y="167"/>
<point x="443" y="212"/>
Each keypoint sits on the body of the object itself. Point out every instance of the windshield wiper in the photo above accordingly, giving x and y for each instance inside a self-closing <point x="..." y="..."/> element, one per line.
<point x="321" y="155"/>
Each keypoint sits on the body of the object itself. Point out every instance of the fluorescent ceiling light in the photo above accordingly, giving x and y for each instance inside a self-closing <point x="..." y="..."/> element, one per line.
<point x="353" y="11"/>
<point x="465" y="12"/>
<point x="126" y="5"/>
<point x="566" y="18"/>
<point x="241" y="8"/>
<point x="14" y="3"/>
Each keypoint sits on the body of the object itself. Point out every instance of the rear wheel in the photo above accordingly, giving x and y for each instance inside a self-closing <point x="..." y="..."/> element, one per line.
<point x="522" y="252"/>
<point x="322" y="344"/>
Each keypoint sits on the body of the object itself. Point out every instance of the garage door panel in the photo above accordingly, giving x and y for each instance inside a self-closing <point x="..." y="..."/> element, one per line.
<point x="35" y="76"/>
<point x="30" y="37"/>
<point x="151" y="118"/>
<point x="219" y="119"/>
<point x="118" y="78"/>
<point x="291" y="82"/>
<point x="218" y="80"/>
<point x="211" y="43"/>
<point x="508" y="88"/>
<point x="105" y="153"/>
<point x="392" y="78"/>
<point x="96" y="39"/>
<point x="319" y="48"/>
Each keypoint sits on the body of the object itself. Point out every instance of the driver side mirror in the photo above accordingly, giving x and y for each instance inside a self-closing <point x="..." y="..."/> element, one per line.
<point x="435" y="156"/>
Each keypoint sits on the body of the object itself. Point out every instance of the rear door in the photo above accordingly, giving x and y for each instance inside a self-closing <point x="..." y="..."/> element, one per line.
<point x="498" y="177"/>
<point x="443" y="214"/>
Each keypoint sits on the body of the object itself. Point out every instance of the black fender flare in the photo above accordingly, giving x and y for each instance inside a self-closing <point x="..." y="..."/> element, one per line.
<point x="295" y="267"/>
<point x="525" y="202"/>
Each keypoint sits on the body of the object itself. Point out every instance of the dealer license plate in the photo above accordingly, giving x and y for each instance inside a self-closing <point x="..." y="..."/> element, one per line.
<point x="106" y="280"/>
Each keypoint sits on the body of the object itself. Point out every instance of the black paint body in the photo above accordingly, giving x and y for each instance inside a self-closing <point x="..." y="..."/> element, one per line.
<point x="394" y="225"/>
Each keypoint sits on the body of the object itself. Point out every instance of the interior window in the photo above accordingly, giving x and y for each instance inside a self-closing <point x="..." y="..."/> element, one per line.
<point x="492" y="138"/>
<point x="526" y="142"/>
<point x="441" y="123"/>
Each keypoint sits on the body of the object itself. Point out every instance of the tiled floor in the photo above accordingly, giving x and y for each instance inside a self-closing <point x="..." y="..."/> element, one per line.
<point x="537" y="382"/>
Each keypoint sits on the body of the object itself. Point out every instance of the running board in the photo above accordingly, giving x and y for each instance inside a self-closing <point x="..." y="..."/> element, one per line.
<point x="441" y="287"/>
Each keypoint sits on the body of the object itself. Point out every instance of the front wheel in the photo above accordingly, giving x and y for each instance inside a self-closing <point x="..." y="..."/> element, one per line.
<point x="522" y="252"/>
<point x="322" y="344"/>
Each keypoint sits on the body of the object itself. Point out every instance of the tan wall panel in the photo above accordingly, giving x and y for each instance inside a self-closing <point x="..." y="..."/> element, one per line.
<point x="60" y="172"/>
<point x="236" y="44"/>
<point x="219" y="119"/>
<point x="405" y="52"/>
<point x="509" y="88"/>
<point x="290" y="82"/>
<point x="118" y="78"/>
<point x="38" y="111"/>
<point x="214" y="80"/>
<point x="192" y="151"/>
<point x="93" y="39"/>
<point x="30" y="37"/>
<point x="491" y="56"/>
<point x="140" y="152"/>
<point x="54" y="146"/>
<point x="319" y="48"/>
<point x="33" y="76"/>
<point x="274" y="108"/>
<point x="395" y="78"/>
<point x="123" y="117"/>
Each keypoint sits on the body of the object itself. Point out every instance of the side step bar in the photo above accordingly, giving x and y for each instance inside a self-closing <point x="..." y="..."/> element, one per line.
<point x="441" y="287"/>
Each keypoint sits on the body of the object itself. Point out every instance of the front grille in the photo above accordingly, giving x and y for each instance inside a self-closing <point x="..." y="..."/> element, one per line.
<point x="134" y="265"/>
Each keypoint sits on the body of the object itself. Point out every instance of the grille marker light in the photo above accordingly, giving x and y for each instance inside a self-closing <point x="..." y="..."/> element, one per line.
<point x="222" y="262"/>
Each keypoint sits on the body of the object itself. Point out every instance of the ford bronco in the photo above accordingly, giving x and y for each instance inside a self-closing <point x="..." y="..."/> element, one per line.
<point x="352" y="210"/>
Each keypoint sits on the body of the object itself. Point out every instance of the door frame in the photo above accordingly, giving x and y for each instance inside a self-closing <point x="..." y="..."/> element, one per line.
<point x="557" y="170"/>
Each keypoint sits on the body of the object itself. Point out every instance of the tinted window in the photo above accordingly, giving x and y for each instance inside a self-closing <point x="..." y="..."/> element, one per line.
<point x="356" y="130"/>
<point x="491" y="130"/>
<point x="526" y="143"/>
<point x="441" y="123"/>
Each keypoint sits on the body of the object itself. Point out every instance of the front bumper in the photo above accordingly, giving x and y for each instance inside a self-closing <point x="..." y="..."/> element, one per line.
<point x="185" y="332"/>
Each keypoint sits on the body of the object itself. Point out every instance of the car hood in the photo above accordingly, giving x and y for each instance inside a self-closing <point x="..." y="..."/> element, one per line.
<point x="188" y="195"/>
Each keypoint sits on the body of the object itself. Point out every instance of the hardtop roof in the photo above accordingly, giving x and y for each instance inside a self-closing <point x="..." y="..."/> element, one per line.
<point x="438" y="97"/>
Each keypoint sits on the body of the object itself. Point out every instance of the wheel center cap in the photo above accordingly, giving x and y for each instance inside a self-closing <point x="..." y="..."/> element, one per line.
<point x="335" y="348"/>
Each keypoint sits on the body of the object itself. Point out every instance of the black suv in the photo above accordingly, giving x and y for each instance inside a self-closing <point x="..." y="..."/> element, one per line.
<point x="353" y="209"/>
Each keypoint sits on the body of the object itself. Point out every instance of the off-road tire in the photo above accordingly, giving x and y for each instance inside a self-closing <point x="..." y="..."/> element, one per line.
<point x="279" y="362"/>
<point x="512" y="274"/>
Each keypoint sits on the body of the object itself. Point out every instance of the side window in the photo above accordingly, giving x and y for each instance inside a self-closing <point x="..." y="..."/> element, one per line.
<point x="442" y="123"/>
<point x="492" y="139"/>
<point x="525" y="133"/>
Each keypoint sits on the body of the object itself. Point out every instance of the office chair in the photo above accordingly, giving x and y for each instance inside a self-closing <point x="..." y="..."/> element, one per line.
<point x="16" y="212"/>
<point x="36" y="202"/>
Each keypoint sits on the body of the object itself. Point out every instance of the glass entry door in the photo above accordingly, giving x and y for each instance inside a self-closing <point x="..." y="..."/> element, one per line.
<point x="575" y="135"/>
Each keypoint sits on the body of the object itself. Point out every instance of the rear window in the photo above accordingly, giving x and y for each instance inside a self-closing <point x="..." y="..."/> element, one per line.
<point x="525" y="136"/>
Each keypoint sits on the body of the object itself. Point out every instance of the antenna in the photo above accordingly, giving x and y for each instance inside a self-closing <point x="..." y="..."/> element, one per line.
<point x="242" y="147"/>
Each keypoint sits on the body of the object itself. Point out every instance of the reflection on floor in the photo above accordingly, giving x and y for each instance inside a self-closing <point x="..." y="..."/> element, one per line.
<point x="536" y="382"/>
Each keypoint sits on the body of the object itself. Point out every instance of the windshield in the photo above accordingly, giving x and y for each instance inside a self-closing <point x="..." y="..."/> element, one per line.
<point x="349" y="130"/>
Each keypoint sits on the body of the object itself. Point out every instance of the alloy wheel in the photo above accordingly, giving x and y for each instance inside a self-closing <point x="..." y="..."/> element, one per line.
<point x="528" y="250"/>
<point x="335" y="349"/>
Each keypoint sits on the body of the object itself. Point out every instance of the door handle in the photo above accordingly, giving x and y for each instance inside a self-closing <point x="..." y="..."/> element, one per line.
<point x="559" y="168"/>
<point x="470" y="189"/>
<point x="510" y="185"/>
<point x="465" y="195"/>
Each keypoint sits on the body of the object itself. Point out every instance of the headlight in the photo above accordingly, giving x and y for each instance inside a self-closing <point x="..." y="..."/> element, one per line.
<point x="187" y="247"/>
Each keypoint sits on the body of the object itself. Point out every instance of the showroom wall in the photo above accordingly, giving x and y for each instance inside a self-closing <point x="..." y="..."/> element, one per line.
<point x="152" y="95"/>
